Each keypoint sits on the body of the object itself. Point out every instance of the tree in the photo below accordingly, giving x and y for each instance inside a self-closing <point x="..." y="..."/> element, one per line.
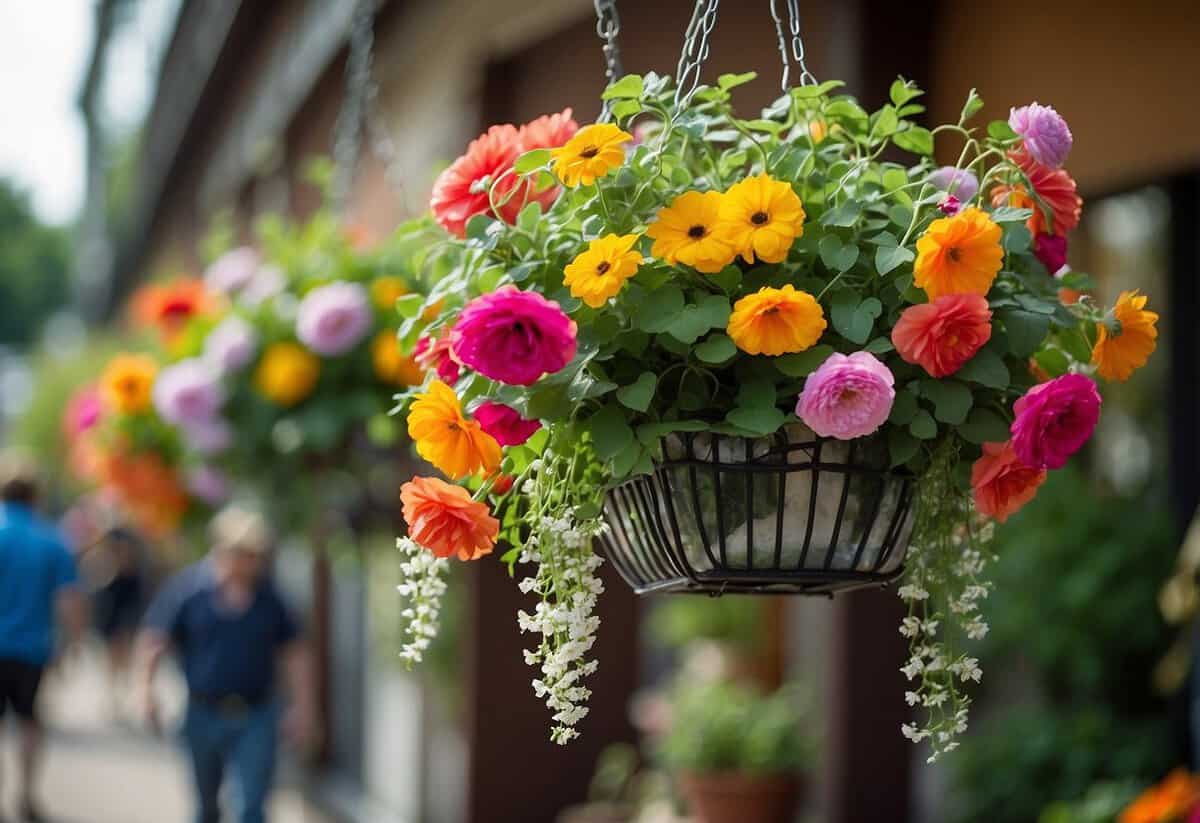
<point x="35" y="263"/>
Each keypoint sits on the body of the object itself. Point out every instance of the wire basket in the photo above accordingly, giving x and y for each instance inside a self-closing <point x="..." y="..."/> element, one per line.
<point x="791" y="513"/>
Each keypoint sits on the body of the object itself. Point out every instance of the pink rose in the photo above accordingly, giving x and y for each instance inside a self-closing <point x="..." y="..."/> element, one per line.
<point x="1044" y="132"/>
<point x="513" y="336"/>
<point x="505" y="423"/>
<point x="1054" y="420"/>
<point x="848" y="396"/>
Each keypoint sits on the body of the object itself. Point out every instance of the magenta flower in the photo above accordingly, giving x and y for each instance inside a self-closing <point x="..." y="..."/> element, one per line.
<point x="267" y="282"/>
<point x="231" y="345"/>
<point x="1051" y="250"/>
<point x="84" y="410"/>
<point x="950" y="205"/>
<point x="1045" y="133"/>
<point x="848" y="396"/>
<point x="188" y="392"/>
<point x="959" y="182"/>
<point x="1054" y="420"/>
<point x="208" y="483"/>
<point x="505" y="423"/>
<point x="513" y="336"/>
<point x="232" y="271"/>
<point x="333" y="319"/>
<point x="207" y="437"/>
<point x="436" y="353"/>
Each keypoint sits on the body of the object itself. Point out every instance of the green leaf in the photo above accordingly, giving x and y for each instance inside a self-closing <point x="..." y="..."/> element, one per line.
<point x="811" y="92"/>
<point x="1053" y="362"/>
<point x="803" y="363"/>
<point x="1016" y="238"/>
<point x="610" y="432"/>
<point x="650" y="433"/>
<point x="951" y="399"/>
<point x="918" y="140"/>
<point x="410" y="305"/>
<point x="902" y="446"/>
<point x="624" y="461"/>
<point x="531" y="161"/>
<point x="628" y="86"/>
<point x="757" y="419"/>
<point x="697" y="318"/>
<point x="984" y="426"/>
<point x="886" y="123"/>
<point x="1026" y="331"/>
<point x="844" y="215"/>
<point x="880" y="345"/>
<point x="716" y="349"/>
<point x="888" y="258"/>
<point x="756" y="393"/>
<point x="853" y="319"/>
<point x="836" y="256"/>
<point x="894" y="178"/>
<point x="985" y="368"/>
<point x="623" y="109"/>
<point x="1008" y="214"/>
<point x="638" y="394"/>
<point x="902" y="91"/>
<point x="922" y="426"/>
<point x="1000" y="130"/>
<point x="731" y="81"/>
<point x="904" y="408"/>
<point x="972" y="107"/>
<point x="660" y="309"/>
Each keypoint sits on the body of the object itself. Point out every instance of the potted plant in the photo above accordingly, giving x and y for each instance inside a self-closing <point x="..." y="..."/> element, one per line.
<point x="738" y="755"/>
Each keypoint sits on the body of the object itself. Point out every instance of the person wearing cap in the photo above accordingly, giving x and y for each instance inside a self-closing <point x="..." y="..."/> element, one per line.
<point x="230" y="627"/>
<point x="38" y="583"/>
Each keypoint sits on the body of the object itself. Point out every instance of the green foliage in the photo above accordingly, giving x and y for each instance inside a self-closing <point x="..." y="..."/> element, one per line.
<point x="732" y="620"/>
<point x="1103" y="803"/>
<point x="35" y="263"/>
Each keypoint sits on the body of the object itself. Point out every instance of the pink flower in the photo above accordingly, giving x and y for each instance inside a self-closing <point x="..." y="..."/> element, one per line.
<point x="83" y="411"/>
<point x="188" y="392"/>
<point x="1044" y="132"/>
<point x="231" y="345"/>
<point x="1054" y="420"/>
<point x="1051" y="250"/>
<point x="232" y="271"/>
<point x="267" y="282"/>
<point x="437" y="353"/>
<point x="333" y="319"/>
<point x="513" y="336"/>
<point x="848" y="396"/>
<point x="505" y="423"/>
<point x="461" y="191"/>
<point x="954" y="181"/>
<point x="950" y="205"/>
<point x="208" y="437"/>
<point x="208" y="483"/>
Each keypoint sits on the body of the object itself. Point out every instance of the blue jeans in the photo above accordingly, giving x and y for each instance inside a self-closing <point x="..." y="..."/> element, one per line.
<point x="243" y="741"/>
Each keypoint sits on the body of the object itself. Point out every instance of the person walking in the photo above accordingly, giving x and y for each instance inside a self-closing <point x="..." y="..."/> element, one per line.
<point x="38" y="583"/>
<point x="230" y="627"/>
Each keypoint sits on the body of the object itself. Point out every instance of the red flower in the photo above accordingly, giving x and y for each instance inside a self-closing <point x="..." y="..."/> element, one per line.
<point x="942" y="335"/>
<point x="1002" y="483"/>
<point x="444" y="519"/>
<point x="437" y="353"/>
<point x="1054" y="188"/>
<point x="505" y="423"/>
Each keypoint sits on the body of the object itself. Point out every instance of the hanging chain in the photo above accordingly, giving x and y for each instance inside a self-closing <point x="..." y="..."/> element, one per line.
<point x="608" y="26"/>
<point x="695" y="51"/>
<point x="791" y="49"/>
<point x="347" y="131"/>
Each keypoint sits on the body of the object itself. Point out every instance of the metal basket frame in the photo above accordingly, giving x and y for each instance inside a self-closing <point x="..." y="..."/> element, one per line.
<point x="647" y="546"/>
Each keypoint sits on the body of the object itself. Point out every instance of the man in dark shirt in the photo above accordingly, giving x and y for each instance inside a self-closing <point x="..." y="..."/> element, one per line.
<point x="37" y="584"/>
<point x="229" y="626"/>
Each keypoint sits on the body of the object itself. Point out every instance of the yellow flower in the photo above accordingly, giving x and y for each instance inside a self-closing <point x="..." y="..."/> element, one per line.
<point x="761" y="217"/>
<point x="386" y="290"/>
<point x="391" y="364"/>
<point x="776" y="321"/>
<point x="127" y="382"/>
<point x="818" y="130"/>
<point x="685" y="232"/>
<point x="958" y="255"/>
<point x="1127" y="344"/>
<point x="446" y="438"/>
<point x="593" y="152"/>
<point x="600" y="272"/>
<point x="287" y="373"/>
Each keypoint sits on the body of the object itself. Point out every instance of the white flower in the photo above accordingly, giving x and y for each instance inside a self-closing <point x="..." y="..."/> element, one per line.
<point x="423" y="587"/>
<point x="912" y="592"/>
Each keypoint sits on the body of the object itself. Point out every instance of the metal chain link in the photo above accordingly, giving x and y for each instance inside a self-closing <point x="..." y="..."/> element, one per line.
<point x="347" y="130"/>
<point x="796" y="51"/>
<point x="608" y="26"/>
<point x="695" y="51"/>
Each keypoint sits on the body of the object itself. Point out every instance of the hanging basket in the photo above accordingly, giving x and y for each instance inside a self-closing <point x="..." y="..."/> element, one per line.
<point x="790" y="513"/>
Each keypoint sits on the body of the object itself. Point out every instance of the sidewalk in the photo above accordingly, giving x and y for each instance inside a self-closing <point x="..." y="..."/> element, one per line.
<point x="96" y="771"/>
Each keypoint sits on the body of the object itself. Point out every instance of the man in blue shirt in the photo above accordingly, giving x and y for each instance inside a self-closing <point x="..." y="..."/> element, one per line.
<point x="230" y="627"/>
<point x="37" y="584"/>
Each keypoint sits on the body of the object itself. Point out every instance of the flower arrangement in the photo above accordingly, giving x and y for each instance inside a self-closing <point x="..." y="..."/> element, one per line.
<point x="681" y="269"/>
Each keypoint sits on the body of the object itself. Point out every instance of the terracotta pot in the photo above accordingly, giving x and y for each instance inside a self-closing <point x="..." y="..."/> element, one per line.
<point x="739" y="797"/>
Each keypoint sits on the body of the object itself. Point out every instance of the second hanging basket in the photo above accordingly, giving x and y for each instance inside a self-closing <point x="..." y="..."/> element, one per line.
<point x="790" y="513"/>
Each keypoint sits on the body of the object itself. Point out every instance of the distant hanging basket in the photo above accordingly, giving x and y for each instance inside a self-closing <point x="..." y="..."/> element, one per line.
<point x="791" y="513"/>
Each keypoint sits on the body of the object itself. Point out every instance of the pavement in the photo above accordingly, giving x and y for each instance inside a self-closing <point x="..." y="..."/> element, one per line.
<point x="100" y="766"/>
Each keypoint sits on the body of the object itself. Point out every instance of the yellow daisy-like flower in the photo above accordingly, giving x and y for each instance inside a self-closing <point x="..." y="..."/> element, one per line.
<point x="127" y="382"/>
<point x="458" y="447"/>
<point x="818" y="130"/>
<point x="593" y="152"/>
<point x="600" y="272"/>
<point x="1127" y="343"/>
<point x="685" y="232"/>
<point x="959" y="255"/>
<point x="761" y="218"/>
<point x="386" y="290"/>
<point x="776" y="321"/>
<point x="287" y="373"/>
<point x="391" y="364"/>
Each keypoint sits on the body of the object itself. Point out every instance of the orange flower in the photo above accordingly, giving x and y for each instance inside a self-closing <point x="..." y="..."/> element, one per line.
<point x="391" y="364"/>
<point x="1002" y="483"/>
<point x="1167" y="802"/>
<point x="147" y="487"/>
<point x="444" y="519"/>
<point x="167" y="307"/>
<point x="942" y="335"/>
<point x="446" y="438"/>
<point x="127" y="382"/>
<point x="1018" y="197"/>
<point x="1054" y="188"/>
<point x="1126" y="341"/>
<point x="958" y="255"/>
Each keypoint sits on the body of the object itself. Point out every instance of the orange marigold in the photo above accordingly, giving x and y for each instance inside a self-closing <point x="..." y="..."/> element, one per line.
<point x="167" y="307"/>
<point x="959" y="255"/>
<point x="444" y="519"/>
<point x="446" y="438"/>
<point x="1125" y="341"/>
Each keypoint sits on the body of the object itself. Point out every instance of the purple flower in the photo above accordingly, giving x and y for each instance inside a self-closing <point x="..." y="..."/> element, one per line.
<point x="208" y="437"/>
<point x="267" y="282"/>
<point x="1054" y="420"/>
<point x="188" y="392"/>
<point x="208" y="483"/>
<point x="1045" y="133"/>
<point x="848" y="396"/>
<point x="230" y="345"/>
<point x="332" y="319"/>
<point x="959" y="182"/>
<point x="232" y="271"/>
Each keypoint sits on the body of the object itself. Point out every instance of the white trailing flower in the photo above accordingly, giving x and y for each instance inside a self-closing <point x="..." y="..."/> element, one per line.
<point x="423" y="574"/>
